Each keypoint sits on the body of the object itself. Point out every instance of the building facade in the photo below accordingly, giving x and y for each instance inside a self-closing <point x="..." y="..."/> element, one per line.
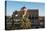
<point x="32" y="15"/>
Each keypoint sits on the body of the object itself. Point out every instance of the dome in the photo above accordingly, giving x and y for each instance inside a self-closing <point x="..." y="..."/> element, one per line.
<point x="23" y="7"/>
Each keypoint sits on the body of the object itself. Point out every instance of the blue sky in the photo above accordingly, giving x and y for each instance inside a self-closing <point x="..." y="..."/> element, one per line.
<point x="14" y="5"/>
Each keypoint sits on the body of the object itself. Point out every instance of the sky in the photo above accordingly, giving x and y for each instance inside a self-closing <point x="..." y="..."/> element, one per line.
<point x="15" y="5"/>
